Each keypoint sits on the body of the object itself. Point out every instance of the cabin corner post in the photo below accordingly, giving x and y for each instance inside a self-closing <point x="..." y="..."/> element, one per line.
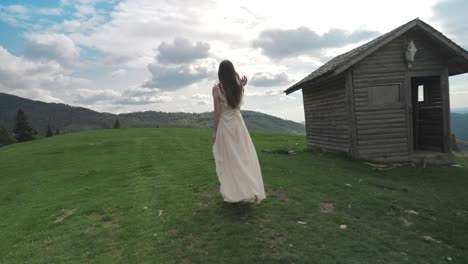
<point x="305" y="117"/>
<point x="444" y="83"/>
<point x="353" y="146"/>
<point x="407" y="93"/>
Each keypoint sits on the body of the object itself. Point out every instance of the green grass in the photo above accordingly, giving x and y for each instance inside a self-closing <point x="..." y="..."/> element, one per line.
<point x="151" y="196"/>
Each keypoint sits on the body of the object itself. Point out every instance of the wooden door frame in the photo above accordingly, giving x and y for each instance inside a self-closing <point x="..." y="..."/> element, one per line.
<point x="443" y="76"/>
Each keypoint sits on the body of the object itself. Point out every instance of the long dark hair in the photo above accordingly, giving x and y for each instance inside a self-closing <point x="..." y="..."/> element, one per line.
<point x="230" y="83"/>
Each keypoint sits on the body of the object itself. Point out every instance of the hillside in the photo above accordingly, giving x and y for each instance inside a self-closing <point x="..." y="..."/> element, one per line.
<point x="73" y="119"/>
<point x="462" y="145"/>
<point x="255" y="121"/>
<point x="459" y="123"/>
<point x="151" y="196"/>
<point x="460" y="110"/>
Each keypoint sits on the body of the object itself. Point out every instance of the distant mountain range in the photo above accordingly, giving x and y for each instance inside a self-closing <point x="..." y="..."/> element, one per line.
<point x="459" y="124"/>
<point x="73" y="119"/>
<point x="459" y="110"/>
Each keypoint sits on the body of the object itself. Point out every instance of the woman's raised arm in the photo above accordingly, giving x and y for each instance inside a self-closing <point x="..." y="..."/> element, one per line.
<point x="217" y="113"/>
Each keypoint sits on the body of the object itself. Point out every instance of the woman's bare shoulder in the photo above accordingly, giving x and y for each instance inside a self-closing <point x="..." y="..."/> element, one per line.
<point x="215" y="89"/>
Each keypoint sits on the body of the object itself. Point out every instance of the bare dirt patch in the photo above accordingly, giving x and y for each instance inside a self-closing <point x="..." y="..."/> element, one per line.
<point x="327" y="208"/>
<point x="111" y="221"/>
<point x="103" y="220"/>
<point x="207" y="193"/>
<point x="277" y="194"/>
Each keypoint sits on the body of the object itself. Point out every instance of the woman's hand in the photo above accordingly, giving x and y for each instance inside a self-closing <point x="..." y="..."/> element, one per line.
<point x="243" y="80"/>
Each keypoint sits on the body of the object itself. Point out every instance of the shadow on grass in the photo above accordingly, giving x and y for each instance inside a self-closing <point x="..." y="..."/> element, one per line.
<point x="239" y="214"/>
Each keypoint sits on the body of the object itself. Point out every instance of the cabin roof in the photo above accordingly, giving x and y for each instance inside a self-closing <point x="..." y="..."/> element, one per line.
<point x="342" y="62"/>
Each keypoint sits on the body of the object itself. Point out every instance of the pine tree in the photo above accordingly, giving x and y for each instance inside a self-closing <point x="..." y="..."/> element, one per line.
<point x="117" y="124"/>
<point x="23" y="130"/>
<point x="49" y="132"/>
<point x="57" y="131"/>
<point x="6" y="137"/>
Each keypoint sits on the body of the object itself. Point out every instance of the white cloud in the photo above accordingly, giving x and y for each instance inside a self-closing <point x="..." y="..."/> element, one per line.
<point x="41" y="80"/>
<point x="451" y="14"/>
<point x="174" y="77"/>
<point x="50" y="11"/>
<point x="14" y="15"/>
<point x="202" y="99"/>
<point x="90" y="97"/>
<point x="17" y="9"/>
<point x="281" y="43"/>
<point x="201" y="96"/>
<point x="266" y="79"/>
<point x="180" y="74"/>
<point x="182" y="51"/>
<point x="55" y="47"/>
<point x="118" y="73"/>
<point x="459" y="91"/>
<point x="142" y="96"/>
<point x="269" y="92"/>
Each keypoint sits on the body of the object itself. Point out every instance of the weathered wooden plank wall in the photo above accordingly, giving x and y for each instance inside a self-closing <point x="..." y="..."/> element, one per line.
<point x="326" y="115"/>
<point x="429" y="56"/>
<point x="382" y="130"/>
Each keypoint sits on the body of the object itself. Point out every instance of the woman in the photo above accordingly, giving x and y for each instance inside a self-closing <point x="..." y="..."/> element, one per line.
<point x="237" y="164"/>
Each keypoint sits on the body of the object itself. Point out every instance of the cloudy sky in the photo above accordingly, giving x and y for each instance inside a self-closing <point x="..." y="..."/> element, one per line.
<point x="138" y="55"/>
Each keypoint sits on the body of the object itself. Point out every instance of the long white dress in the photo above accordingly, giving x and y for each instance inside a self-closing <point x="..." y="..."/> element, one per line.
<point x="237" y="164"/>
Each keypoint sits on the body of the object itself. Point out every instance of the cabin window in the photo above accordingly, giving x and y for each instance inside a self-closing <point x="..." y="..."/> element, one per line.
<point x="384" y="94"/>
<point x="420" y="93"/>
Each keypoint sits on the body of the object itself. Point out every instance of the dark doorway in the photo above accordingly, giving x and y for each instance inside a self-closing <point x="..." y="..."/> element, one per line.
<point x="427" y="113"/>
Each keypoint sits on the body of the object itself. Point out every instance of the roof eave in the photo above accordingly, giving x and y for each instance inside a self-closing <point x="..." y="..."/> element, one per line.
<point x="416" y="22"/>
<point x="387" y="40"/>
<point x="322" y="78"/>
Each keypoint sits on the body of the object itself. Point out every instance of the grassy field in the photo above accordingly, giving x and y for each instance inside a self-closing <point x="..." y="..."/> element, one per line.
<point x="151" y="196"/>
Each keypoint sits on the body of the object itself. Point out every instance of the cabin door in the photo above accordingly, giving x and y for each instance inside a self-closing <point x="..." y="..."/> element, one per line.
<point x="427" y="113"/>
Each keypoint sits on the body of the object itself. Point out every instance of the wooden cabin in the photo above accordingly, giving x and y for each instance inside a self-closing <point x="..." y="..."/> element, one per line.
<point x="387" y="100"/>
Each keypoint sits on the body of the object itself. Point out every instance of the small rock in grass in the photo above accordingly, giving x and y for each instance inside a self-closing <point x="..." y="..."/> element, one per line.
<point x="430" y="239"/>
<point x="457" y="165"/>
<point x="411" y="212"/>
<point x="160" y="212"/>
<point x="449" y="259"/>
<point x="155" y="234"/>
<point x="343" y="227"/>
<point x="291" y="245"/>
<point x="301" y="222"/>
<point x="406" y="222"/>
<point x="347" y="184"/>
<point x="144" y="208"/>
